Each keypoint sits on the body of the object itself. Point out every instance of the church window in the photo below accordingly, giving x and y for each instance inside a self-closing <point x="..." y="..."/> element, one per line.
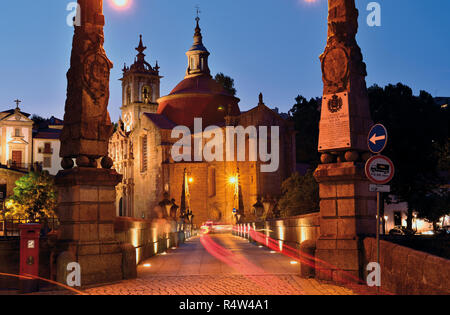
<point x="128" y="96"/>
<point x="211" y="182"/>
<point x="17" y="132"/>
<point x="146" y="94"/>
<point x="144" y="154"/>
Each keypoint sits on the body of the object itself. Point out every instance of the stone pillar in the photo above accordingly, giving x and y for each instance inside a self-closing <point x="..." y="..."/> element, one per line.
<point x="87" y="194"/>
<point x="347" y="213"/>
<point x="347" y="208"/>
<point x="86" y="209"/>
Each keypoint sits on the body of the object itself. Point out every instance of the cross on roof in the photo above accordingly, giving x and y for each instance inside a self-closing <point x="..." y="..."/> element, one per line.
<point x="17" y="102"/>
<point x="198" y="13"/>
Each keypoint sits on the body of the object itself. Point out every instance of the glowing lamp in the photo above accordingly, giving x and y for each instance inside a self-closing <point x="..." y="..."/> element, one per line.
<point x="120" y="4"/>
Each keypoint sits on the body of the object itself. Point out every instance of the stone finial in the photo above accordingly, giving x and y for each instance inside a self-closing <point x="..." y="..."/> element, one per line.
<point x="261" y="99"/>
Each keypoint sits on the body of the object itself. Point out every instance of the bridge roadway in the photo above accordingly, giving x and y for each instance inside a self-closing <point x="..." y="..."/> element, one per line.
<point x="220" y="264"/>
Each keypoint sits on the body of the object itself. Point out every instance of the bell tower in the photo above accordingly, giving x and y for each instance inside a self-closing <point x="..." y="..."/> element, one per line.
<point x="140" y="89"/>
<point x="197" y="56"/>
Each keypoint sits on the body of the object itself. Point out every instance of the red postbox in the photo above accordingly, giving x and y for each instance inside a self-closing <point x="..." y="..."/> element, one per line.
<point x="29" y="255"/>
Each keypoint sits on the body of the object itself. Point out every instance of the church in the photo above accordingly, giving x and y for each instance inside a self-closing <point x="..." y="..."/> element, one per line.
<point x="142" y="144"/>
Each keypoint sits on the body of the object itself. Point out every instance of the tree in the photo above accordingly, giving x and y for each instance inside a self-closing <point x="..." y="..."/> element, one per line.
<point x="434" y="206"/>
<point x="39" y="122"/>
<point x="300" y="195"/>
<point x="416" y="126"/>
<point x="34" y="197"/>
<point x="227" y="83"/>
<point x="306" y="117"/>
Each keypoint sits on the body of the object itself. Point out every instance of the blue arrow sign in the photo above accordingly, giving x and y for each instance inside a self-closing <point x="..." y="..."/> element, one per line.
<point x="377" y="140"/>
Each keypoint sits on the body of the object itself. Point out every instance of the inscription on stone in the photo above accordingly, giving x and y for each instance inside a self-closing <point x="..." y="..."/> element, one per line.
<point x="335" y="123"/>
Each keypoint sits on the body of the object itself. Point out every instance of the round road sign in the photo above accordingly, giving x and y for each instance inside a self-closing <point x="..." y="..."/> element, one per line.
<point x="380" y="170"/>
<point x="377" y="139"/>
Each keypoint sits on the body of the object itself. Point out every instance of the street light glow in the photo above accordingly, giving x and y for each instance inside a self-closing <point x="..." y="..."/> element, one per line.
<point x="120" y="4"/>
<point x="232" y="180"/>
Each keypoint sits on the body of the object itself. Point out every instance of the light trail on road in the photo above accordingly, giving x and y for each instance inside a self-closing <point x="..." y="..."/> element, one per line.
<point x="346" y="278"/>
<point x="243" y="266"/>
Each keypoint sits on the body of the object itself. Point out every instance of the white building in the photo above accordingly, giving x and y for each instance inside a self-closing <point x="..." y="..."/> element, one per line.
<point x="16" y="132"/>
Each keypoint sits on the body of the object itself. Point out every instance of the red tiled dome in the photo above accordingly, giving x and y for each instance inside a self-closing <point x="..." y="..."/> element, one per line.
<point x="198" y="97"/>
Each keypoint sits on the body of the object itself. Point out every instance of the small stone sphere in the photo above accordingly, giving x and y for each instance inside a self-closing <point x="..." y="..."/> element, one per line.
<point x="341" y="158"/>
<point x="107" y="163"/>
<point x="351" y="156"/>
<point x="366" y="156"/>
<point x="67" y="163"/>
<point x="83" y="161"/>
<point x="326" y="158"/>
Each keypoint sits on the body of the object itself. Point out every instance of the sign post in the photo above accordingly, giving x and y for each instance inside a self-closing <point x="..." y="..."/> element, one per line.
<point x="379" y="170"/>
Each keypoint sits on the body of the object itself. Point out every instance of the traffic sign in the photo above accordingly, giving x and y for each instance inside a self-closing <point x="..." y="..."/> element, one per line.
<point x="377" y="140"/>
<point x="380" y="170"/>
<point x="380" y="188"/>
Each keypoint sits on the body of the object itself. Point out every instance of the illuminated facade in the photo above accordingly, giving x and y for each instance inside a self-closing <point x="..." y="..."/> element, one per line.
<point x="141" y="146"/>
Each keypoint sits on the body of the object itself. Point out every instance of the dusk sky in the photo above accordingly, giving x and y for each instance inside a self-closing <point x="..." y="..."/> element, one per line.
<point x="269" y="46"/>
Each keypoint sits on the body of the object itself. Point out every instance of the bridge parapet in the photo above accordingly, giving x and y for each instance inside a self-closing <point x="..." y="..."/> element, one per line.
<point x="150" y="237"/>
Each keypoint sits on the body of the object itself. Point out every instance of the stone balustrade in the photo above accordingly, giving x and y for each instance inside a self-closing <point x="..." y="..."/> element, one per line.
<point x="151" y="237"/>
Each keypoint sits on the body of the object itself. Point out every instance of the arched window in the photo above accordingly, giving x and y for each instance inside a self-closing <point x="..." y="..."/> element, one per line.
<point x="146" y="94"/>
<point x="211" y="182"/>
<point x="121" y="214"/>
<point x="128" y="95"/>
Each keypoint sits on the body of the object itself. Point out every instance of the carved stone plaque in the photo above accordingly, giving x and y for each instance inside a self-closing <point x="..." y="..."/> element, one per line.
<point x="335" y="65"/>
<point x="335" y="123"/>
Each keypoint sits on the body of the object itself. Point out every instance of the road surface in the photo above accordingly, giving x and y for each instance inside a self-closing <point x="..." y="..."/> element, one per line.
<point x="220" y="264"/>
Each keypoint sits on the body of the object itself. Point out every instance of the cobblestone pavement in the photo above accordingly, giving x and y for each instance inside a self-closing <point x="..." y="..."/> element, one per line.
<point x="220" y="265"/>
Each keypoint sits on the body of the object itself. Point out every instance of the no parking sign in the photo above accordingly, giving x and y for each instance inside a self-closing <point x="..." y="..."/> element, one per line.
<point x="380" y="170"/>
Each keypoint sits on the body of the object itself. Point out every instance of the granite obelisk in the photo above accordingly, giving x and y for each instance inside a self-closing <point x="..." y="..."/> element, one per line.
<point x="347" y="208"/>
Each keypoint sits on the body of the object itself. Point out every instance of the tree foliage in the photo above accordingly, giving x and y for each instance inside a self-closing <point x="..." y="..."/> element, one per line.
<point x="34" y="197"/>
<point x="417" y="127"/>
<point x="227" y="83"/>
<point x="306" y="117"/>
<point x="434" y="206"/>
<point x="300" y="195"/>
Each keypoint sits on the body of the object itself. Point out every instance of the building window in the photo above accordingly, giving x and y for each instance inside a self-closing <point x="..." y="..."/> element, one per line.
<point x="48" y="148"/>
<point x="211" y="182"/>
<point x="146" y="94"/>
<point x="128" y="96"/>
<point x="397" y="218"/>
<point x="47" y="162"/>
<point x="17" y="132"/>
<point x="144" y="154"/>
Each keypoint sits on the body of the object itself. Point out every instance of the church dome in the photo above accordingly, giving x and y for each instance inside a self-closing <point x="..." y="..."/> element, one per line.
<point x="198" y="95"/>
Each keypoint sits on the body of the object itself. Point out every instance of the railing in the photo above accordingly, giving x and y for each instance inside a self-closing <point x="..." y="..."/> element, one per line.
<point x="10" y="227"/>
<point x="23" y="166"/>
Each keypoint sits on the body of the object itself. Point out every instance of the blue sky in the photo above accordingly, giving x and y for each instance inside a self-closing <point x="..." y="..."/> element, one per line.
<point x="269" y="46"/>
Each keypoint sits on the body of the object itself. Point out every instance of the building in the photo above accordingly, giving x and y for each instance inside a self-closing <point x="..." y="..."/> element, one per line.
<point x="16" y="132"/>
<point x="25" y="146"/>
<point x="141" y="146"/>
<point x="46" y="145"/>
